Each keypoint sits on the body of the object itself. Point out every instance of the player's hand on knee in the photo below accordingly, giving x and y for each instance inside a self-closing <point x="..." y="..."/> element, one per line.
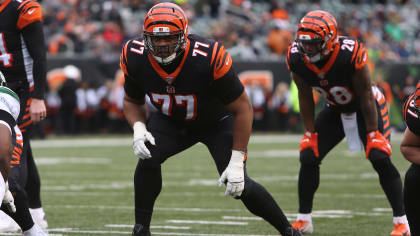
<point x="309" y="140"/>
<point x="376" y="140"/>
<point x="8" y="200"/>
<point x="233" y="175"/>
<point x="141" y="136"/>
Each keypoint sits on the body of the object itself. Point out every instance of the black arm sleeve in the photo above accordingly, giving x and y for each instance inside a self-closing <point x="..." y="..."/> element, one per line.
<point x="34" y="39"/>
<point x="228" y="88"/>
<point x="132" y="90"/>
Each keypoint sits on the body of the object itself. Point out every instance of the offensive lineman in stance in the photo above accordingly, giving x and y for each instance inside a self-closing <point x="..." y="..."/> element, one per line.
<point x="336" y="67"/>
<point x="190" y="80"/>
<point x="410" y="148"/>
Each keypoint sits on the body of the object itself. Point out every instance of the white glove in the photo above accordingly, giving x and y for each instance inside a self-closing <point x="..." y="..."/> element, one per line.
<point x="233" y="175"/>
<point x="141" y="135"/>
<point x="8" y="199"/>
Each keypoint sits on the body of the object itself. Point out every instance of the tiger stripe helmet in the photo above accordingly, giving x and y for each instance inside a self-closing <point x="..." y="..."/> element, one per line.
<point x="417" y="98"/>
<point x="165" y="19"/>
<point x="317" y="28"/>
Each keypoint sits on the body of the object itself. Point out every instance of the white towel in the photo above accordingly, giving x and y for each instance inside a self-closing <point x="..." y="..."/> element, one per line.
<point x="349" y="121"/>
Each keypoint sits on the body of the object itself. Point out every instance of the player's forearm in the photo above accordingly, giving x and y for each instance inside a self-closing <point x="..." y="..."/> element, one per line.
<point x="411" y="153"/>
<point x="368" y="107"/>
<point x="307" y="111"/>
<point x="133" y="112"/>
<point x="242" y="130"/>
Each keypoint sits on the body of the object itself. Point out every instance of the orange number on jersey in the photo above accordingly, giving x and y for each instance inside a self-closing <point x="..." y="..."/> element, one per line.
<point x="5" y="57"/>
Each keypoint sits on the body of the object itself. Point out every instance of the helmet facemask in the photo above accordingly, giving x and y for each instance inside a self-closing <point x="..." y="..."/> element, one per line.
<point x="317" y="35"/>
<point x="165" y="46"/>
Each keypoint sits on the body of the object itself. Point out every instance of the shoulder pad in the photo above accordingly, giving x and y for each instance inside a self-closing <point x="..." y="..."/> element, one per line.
<point x="130" y="52"/>
<point x="221" y="61"/>
<point x="355" y="51"/>
<point x="28" y="13"/>
<point x="293" y="57"/>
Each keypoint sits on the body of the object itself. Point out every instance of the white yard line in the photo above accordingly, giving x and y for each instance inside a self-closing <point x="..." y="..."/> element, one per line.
<point x="152" y="226"/>
<point x="127" y="141"/>
<point x="69" y="230"/>
<point x="206" y="222"/>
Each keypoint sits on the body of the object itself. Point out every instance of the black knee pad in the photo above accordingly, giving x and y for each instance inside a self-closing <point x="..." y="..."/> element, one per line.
<point x="307" y="157"/>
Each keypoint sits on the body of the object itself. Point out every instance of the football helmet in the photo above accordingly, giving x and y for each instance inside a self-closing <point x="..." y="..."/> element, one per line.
<point x="417" y="98"/>
<point x="316" y="35"/>
<point x="165" y="32"/>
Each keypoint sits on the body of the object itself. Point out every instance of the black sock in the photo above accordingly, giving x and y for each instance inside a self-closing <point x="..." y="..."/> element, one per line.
<point x="148" y="184"/>
<point x="411" y="198"/>
<point x="261" y="203"/>
<point x="307" y="186"/>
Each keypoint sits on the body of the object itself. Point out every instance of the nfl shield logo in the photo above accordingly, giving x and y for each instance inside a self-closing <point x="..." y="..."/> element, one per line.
<point x="323" y="82"/>
<point x="170" y="89"/>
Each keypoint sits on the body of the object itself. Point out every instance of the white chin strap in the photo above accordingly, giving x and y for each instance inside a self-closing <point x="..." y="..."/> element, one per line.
<point x="166" y="60"/>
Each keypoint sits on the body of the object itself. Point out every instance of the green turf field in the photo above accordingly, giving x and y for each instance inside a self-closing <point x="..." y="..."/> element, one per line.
<point x="87" y="189"/>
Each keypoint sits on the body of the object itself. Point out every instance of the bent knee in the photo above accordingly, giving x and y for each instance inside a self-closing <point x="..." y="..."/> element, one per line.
<point x="307" y="157"/>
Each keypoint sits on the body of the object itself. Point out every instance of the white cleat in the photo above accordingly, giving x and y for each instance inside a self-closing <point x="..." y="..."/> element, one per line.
<point x="7" y="224"/>
<point x="38" y="216"/>
<point x="35" y="231"/>
<point x="304" y="226"/>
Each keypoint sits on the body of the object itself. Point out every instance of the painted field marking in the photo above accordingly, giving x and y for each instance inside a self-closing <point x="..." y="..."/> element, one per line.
<point x="205" y="222"/>
<point x="70" y="230"/>
<point x="152" y="226"/>
<point x="72" y="160"/>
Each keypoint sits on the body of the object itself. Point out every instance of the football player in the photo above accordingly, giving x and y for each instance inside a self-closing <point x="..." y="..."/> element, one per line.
<point x="23" y="62"/>
<point x="199" y="98"/>
<point x="11" y="149"/>
<point x="410" y="148"/>
<point x="336" y="67"/>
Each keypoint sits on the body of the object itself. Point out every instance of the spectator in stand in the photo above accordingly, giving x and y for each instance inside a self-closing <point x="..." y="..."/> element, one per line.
<point x="279" y="106"/>
<point x="279" y="37"/>
<point x="66" y="119"/>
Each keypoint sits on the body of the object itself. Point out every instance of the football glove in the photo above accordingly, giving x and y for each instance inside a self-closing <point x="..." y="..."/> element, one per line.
<point x="8" y="200"/>
<point x="233" y="175"/>
<point x="141" y="135"/>
<point x="376" y="140"/>
<point x="309" y="140"/>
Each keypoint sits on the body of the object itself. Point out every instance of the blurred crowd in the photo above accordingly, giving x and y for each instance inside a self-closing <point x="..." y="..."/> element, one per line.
<point x="250" y="29"/>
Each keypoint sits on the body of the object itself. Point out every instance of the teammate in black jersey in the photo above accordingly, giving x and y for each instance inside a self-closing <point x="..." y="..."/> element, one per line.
<point x="336" y="67"/>
<point x="23" y="62"/>
<point x="191" y="82"/>
<point x="410" y="148"/>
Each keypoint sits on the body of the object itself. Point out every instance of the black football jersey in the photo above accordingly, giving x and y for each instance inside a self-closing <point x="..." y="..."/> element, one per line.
<point x="411" y="116"/>
<point x="334" y="78"/>
<point x="195" y="93"/>
<point x="15" y="61"/>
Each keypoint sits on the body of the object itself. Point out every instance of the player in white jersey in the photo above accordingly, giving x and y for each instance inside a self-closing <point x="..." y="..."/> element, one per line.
<point x="11" y="149"/>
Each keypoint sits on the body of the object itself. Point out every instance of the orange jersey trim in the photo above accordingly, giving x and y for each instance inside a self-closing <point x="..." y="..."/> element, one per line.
<point x="223" y="63"/>
<point x="162" y="73"/>
<point x="123" y="58"/>
<point x="30" y="12"/>
<point x="327" y="66"/>
<point x="214" y="52"/>
<point x="4" y="4"/>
